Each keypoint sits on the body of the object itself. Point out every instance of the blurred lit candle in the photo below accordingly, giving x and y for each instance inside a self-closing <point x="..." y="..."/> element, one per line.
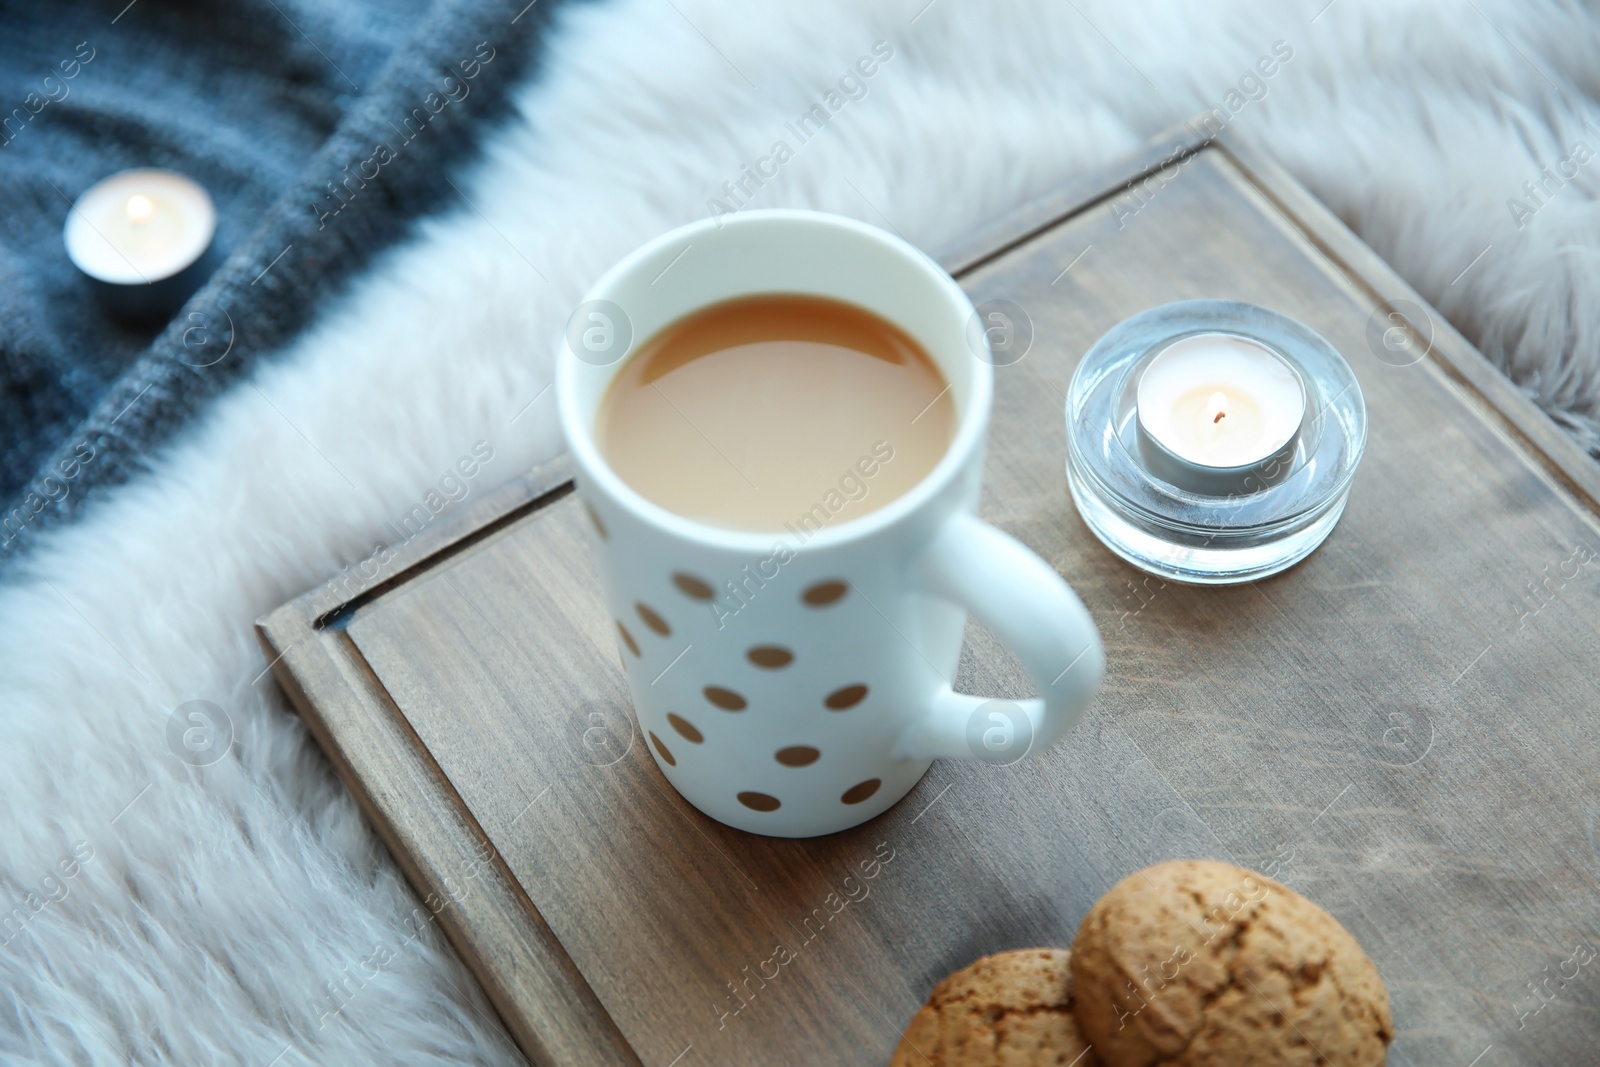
<point x="1219" y="414"/>
<point x="143" y="236"/>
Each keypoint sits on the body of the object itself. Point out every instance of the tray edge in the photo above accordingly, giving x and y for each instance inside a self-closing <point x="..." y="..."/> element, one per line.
<point x="320" y="668"/>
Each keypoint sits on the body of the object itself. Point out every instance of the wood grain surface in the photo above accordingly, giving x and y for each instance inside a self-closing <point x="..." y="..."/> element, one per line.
<point x="1402" y="727"/>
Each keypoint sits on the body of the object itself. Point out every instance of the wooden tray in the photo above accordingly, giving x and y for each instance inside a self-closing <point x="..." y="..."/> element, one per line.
<point x="1401" y="727"/>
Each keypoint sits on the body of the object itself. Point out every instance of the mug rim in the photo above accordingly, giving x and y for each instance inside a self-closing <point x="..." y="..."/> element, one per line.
<point x="967" y="438"/>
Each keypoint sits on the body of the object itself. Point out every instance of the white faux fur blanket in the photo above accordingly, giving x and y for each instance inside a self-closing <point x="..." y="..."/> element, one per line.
<point x="172" y="913"/>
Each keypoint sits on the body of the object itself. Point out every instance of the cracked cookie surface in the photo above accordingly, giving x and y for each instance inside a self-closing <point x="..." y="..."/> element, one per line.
<point x="1012" y="1009"/>
<point x="1196" y="963"/>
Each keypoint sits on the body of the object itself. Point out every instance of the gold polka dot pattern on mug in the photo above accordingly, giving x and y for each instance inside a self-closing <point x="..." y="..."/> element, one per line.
<point x="846" y="698"/>
<point x="685" y="728"/>
<point x="726" y="699"/>
<point x="759" y="801"/>
<point x="857" y="793"/>
<point x="651" y="619"/>
<point x="770" y="657"/>
<point x="822" y="594"/>
<point x="627" y="638"/>
<point x="692" y="587"/>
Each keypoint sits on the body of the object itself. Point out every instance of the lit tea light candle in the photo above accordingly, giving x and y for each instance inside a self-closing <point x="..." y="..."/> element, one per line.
<point x="143" y="236"/>
<point x="1219" y="414"/>
<point x="1253" y="418"/>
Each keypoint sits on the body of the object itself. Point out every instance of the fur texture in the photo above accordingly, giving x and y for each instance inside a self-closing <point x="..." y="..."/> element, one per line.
<point x="219" y="905"/>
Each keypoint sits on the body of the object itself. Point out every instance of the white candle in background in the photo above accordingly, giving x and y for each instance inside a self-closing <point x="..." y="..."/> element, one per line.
<point x="142" y="228"/>
<point x="1215" y="410"/>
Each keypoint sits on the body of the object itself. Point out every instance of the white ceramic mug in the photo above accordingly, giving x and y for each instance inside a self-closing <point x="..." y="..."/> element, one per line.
<point x="798" y="683"/>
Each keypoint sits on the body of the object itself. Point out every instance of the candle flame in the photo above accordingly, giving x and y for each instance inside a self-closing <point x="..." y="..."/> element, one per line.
<point x="1217" y="407"/>
<point x="140" y="207"/>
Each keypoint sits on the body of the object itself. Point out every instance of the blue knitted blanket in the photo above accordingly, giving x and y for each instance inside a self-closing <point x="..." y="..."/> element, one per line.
<point x="322" y="130"/>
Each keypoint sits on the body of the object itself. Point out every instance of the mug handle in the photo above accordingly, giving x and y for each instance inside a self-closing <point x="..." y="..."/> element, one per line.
<point x="1028" y="606"/>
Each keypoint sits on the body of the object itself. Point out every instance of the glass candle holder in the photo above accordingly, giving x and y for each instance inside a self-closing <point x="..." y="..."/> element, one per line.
<point x="1245" y="467"/>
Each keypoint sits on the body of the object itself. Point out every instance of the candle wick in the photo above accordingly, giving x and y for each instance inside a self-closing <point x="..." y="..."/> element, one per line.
<point x="1217" y="403"/>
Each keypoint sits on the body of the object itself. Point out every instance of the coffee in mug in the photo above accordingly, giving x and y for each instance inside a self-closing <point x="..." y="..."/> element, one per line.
<point x="747" y="413"/>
